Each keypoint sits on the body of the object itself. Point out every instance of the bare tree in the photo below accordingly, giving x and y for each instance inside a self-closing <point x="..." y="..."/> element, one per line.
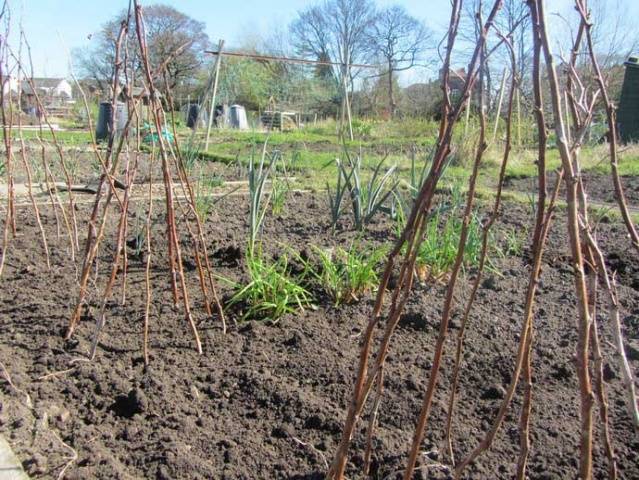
<point x="514" y="19"/>
<point x="397" y="39"/>
<point x="176" y="42"/>
<point x="335" y="30"/>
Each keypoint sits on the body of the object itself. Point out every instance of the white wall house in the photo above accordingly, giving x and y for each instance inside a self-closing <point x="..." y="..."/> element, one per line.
<point x="10" y="85"/>
<point x="51" y="89"/>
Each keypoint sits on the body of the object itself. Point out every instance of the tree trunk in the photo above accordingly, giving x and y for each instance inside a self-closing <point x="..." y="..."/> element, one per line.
<point x="392" y="107"/>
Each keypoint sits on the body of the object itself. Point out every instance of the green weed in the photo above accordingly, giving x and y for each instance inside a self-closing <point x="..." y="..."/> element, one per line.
<point x="437" y="252"/>
<point x="346" y="275"/>
<point x="513" y="240"/>
<point x="271" y="292"/>
<point x="204" y="199"/>
<point x="279" y="194"/>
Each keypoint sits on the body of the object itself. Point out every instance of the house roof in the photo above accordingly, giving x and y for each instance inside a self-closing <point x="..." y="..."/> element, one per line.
<point x="44" y="82"/>
<point x="40" y="83"/>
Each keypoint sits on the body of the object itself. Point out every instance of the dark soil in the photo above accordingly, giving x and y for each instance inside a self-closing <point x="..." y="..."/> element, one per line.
<point x="269" y="401"/>
<point x="598" y="186"/>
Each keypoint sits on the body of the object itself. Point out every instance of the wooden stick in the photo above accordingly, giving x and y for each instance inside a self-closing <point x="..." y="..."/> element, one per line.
<point x="518" y="117"/>
<point x="218" y="61"/>
<point x="612" y="126"/>
<point x="482" y="260"/>
<point x="583" y="321"/>
<point x="501" y="99"/>
<point x="410" y="239"/>
<point x="174" y="241"/>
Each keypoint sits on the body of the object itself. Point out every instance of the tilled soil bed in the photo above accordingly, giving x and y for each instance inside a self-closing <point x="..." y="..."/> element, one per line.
<point x="269" y="401"/>
<point x="599" y="187"/>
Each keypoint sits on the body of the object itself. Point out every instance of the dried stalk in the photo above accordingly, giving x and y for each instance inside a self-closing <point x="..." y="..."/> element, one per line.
<point x="542" y="227"/>
<point x="484" y="248"/>
<point x="7" y="121"/>
<point x="199" y="244"/>
<point x="175" y="256"/>
<point x="98" y="220"/>
<point x="613" y="314"/>
<point x="454" y="274"/>
<point x="147" y="268"/>
<point x="612" y="126"/>
<point x="570" y="165"/>
<point x="27" y="169"/>
<point x="524" y="419"/>
<point x="410" y="237"/>
<point x="372" y="422"/>
<point x="599" y="385"/>
<point x="582" y="115"/>
<point x="60" y="152"/>
<point x="120" y="249"/>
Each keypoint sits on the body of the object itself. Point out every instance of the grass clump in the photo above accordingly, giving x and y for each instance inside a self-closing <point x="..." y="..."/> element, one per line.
<point x="513" y="241"/>
<point x="346" y="275"/>
<point x="271" y="292"/>
<point x="204" y="199"/>
<point x="437" y="252"/>
<point x="279" y="193"/>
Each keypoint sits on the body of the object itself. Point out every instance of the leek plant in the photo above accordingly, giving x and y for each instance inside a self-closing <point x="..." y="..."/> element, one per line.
<point x="258" y="173"/>
<point x="367" y="198"/>
<point x="204" y="200"/>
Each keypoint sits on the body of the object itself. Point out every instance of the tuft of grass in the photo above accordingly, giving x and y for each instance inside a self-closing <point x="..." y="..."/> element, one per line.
<point x="204" y="200"/>
<point x="279" y="194"/>
<point x="346" y="275"/>
<point x="437" y="252"/>
<point x="513" y="241"/>
<point x="271" y="292"/>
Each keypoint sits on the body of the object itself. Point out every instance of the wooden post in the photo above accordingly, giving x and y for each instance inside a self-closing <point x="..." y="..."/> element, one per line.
<point x="346" y="106"/>
<point x="218" y="60"/>
<point x="342" y="116"/>
<point x="350" y="118"/>
<point x="501" y="99"/>
<point x="518" y="118"/>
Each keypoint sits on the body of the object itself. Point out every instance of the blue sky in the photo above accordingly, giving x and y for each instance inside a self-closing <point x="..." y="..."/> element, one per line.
<point x="53" y="27"/>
